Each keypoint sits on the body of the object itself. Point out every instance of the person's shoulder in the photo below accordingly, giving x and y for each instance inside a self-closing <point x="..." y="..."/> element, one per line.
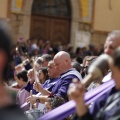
<point x="112" y="108"/>
<point x="47" y="81"/>
<point x="72" y="73"/>
<point x="113" y="97"/>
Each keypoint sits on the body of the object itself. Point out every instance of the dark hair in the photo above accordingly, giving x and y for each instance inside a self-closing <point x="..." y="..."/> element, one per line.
<point x="69" y="50"/>
<point x="72" y="55"/>
<point x="45" y="72"/>
<point x="5" y="44"/>
<point x="46" y="57"/>
<point x="23" y="75"/>
<point x="116" y="57"/>
<point x="39" y="60"/>
<point x="55" y="101"/>
<point x="77" y="66"/>
<point x="77" y="50"/>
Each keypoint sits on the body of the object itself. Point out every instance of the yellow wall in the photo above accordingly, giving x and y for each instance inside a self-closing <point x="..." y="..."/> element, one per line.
<point x="104" y="18"/>
<point x="3" y="8"/>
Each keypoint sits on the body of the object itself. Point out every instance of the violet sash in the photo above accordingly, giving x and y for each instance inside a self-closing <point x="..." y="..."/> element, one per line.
<point x="98" y="90"/>
<point x="68" y="108"/>
<point x="100" y="94"/>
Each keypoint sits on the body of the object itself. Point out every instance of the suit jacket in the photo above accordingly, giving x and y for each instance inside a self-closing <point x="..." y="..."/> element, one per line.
<point x="110" y="111"/>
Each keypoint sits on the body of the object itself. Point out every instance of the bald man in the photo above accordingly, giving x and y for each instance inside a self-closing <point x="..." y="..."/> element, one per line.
<point x="63" y="65"/>
<point x="67" y="73"/>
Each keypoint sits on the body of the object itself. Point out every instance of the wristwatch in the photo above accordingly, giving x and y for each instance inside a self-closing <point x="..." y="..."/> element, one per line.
<point x="38" y="100"/>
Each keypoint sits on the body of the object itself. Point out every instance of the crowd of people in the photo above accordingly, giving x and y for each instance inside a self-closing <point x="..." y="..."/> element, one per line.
<point x="36" y="47"/>
<point x="106" y="107"/>
<point x="38" y="74"/>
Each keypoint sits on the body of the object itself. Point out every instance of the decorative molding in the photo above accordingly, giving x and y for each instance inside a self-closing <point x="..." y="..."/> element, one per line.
<point x="101" y="32"/>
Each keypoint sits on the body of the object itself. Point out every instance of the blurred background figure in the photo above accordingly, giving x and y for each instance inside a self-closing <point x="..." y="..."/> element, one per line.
<point x="8" y="110"/>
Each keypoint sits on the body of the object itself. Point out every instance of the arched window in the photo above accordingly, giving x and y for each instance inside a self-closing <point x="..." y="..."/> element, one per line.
<point x="58" y="8"/>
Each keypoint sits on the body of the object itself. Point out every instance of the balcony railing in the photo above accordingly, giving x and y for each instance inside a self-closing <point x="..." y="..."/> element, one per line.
<point x="68" y="108"/>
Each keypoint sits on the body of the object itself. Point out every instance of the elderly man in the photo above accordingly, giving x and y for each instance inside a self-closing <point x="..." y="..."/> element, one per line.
<point x="49" y="84"/>
<point x="111" y="110"/>
<point x="67" y="73"/>
<point x="63" y="65"/>
<point x="111" y="43"/>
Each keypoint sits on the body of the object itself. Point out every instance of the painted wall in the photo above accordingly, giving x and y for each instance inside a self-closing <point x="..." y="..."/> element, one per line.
<point x="106" y="18"/>
<point x="3" y="8"/>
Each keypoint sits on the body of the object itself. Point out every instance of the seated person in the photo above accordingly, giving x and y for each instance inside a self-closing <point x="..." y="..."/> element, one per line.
<point x="67" y="73"/>
<point x="48" y="85"/>
<point x="53" y="78"/>
<point x="31" y="80"/>
<point x="86" y="62"/>
<point x="22" y="80"/>
<point x="111" y="109"/>
<point x="18" y="68"/>
<point x="53" y="102"/>
<point x="32" y="74"/>
<point x="111" y="43"/>
<point x="43" y="75"/>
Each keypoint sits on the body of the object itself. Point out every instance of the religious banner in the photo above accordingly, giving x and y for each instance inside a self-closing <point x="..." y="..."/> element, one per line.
<point x="86" y="10"/>
<point x="16" y="6"/>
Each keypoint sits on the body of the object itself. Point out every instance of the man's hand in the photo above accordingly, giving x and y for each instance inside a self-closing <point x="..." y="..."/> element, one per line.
<point x="37" y="86"/>
<point x="76" y="92"/>
<point x="31" y="99"/>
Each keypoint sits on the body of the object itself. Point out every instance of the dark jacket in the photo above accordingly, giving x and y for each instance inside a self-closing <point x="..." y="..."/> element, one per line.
<point x="110" y="111"/>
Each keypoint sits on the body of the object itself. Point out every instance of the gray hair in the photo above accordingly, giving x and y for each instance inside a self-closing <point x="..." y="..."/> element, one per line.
<point x="114" y="32"/>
